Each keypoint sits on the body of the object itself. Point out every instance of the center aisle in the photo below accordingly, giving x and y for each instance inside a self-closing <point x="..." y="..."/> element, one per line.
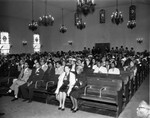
<point x="141" y="94"/>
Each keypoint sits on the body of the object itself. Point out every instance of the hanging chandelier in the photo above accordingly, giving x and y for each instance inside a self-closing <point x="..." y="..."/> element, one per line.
<point x="63" y="28"/>
<point x="117" y="17"/>
<point x="132" y="17"/>
<point x="131" y="24"/>
<point x="46" y="20"/>
<point x="79" y="23"/>
<point x="85" y="7"/>
<point x="33" y="25"/>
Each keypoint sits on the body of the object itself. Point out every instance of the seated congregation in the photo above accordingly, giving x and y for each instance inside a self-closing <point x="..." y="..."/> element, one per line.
<point x="88" y="79"/>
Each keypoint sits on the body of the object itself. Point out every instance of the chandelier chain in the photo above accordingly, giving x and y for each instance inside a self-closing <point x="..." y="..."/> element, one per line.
<point x="45" y="7"/>
<point x="62" y="17"/>
<point x="32" y="9"/>
<point x="117" y="4"/>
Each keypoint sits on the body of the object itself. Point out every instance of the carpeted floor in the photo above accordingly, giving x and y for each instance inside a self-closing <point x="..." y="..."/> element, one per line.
<point x="19" y="109"/>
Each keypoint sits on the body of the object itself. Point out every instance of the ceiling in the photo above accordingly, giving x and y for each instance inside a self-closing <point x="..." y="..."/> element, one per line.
<point x="23" y="8"/>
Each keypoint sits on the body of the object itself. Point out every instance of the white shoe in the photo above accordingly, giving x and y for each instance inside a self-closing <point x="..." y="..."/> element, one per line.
<point x="9" y="91"/>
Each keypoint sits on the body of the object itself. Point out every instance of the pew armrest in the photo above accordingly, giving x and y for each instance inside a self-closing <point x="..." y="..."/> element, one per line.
<point x="49" y="83"/>
<point x="85" y="89"/>
<point x="37" y="82"/>
<point x="100" y="91"/>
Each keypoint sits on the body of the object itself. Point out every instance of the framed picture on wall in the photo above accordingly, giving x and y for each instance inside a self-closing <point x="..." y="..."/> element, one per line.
<point x="102" y="16"/>
<point x="132" y="12"/>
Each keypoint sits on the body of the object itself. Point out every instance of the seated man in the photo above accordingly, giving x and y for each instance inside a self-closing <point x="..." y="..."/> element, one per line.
<point x="49" y="75"/>
<point x="28" y="88"/>
<point x="44" y="65"/>
<point x="143" y="110"/>
<point x="22" y="79"/>
<point x="59" y="69"/>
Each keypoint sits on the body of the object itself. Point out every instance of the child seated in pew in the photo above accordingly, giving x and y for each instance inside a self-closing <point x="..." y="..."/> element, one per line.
<point x="143" y="110"/>
<point x="113" y="69"/>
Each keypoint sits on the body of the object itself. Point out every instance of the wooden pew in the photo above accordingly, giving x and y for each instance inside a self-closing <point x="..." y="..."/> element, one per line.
<point x="131" y="79"/>
<point x="125" y="81"/>
<point x="103" y="94"/>
<point x="46" y="88"/>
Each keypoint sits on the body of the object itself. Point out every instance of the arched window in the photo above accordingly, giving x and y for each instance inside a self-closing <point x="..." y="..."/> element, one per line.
<point x="36" y="43"/>
<point x="4" y="43"/>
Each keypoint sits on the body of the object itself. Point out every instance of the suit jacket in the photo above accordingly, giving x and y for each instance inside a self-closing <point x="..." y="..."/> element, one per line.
<point x="36" y="75"/>
<point x="49" y="74"/>
<point x="26" y="74"/>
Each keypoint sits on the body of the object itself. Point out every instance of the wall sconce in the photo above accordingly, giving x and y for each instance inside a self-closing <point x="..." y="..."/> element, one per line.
<point x="102" y="16"/>
<point x="139" y="40"/>
<point x="70" y="42"/>
<point x="24" y="43"/>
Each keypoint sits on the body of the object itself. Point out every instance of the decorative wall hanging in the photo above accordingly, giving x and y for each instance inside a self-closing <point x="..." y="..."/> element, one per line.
<point x="132" y="17"/>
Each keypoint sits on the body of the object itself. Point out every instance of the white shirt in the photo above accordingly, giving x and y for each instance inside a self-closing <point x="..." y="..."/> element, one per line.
<point x="44" y="67"/>
<point x="100" y="69"/>
<point x="94" y="66"/>
<point x="114" y="71"/>
<point x="73" y="68"/>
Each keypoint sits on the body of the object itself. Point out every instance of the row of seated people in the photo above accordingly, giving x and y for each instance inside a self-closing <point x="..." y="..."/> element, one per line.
<point x="11" y="66"/>
<point x="95" y="66"/>
<point x="65" y="85"/>
<point x="27" y="79"/>
<point x="68" y="84"/>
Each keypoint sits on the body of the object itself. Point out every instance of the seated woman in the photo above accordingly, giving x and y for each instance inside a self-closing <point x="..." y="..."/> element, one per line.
<point x="143" y="110"/>
<point x="23" y="77"/>
<point x="113" y="69"/>
<point x="78" y="88"/>
<point x="100" y="68"/>
<point x="65" y="84"/>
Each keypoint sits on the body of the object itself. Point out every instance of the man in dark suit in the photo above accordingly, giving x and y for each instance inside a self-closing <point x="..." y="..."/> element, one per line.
<point x="28" y="88"/>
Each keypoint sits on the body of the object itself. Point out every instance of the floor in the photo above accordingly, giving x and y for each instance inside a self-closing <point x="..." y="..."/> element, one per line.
<point x="19" y="109"/>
